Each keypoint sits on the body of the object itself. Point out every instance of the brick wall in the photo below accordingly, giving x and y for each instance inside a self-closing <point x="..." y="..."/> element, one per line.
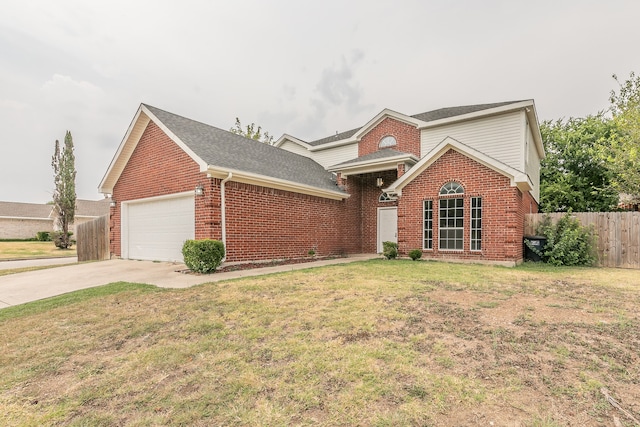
<point x="503" y="208"/>
<point x="157" y="167"/>
<point x="262" y="223"/>
<point x="407" y="137"/>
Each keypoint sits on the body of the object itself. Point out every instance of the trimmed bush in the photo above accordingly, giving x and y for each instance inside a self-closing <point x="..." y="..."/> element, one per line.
<point x="390" y="250"/>
<point x="60" y="243"/>
<point x="43" y="236"/>
<point x="568" y="242"/>
<point x="203" y="256"/>
<point x="415" y="254"/>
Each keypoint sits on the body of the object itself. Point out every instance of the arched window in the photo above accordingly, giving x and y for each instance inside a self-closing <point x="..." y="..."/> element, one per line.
<point x="387" y="141"/>
<point x="451" y="188"/>
<point x="385" y="197"/>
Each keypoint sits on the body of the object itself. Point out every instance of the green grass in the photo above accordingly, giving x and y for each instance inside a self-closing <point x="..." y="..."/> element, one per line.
<point x="32" y="249"/>
<point x="381" y="343"/>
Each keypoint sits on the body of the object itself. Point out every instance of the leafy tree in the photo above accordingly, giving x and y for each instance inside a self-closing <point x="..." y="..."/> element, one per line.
<point x="624" y="151"/>
<point x="573" y="176"/>
<point x="251" y="132"/>
<point x="64" y="195"/>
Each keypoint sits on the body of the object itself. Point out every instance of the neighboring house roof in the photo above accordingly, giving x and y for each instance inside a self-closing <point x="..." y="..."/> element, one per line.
<point x="86" y="208"/>
<point x="25" y="210"/>
<point x="220" y="152"/>
<point x="92" y="208"/>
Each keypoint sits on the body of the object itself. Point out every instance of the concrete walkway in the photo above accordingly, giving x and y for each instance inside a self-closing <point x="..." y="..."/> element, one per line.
<point x="34" y="285"/>
<point x="35" y="262"/>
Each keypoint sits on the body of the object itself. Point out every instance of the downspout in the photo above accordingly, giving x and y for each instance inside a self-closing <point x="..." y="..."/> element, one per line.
<point x="223" y="215"/>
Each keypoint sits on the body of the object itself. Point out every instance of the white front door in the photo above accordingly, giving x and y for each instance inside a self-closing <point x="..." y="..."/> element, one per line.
<point x="387" y="226"/>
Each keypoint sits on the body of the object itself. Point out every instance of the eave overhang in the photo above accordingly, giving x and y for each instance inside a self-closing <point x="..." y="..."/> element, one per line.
<point x="275" y="183"/>
<point x="374" y="165"/>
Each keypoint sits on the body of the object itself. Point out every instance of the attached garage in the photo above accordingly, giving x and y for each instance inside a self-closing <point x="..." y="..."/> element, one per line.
<point x="155" y="229"/>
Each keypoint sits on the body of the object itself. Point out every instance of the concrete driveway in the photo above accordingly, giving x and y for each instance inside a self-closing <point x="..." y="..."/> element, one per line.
<point x="34" y="285"/>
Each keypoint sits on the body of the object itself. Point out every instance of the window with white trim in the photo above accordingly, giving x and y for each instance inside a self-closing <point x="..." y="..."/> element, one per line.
<point x="387" y="141"/>
<point x="476" y="223"/>
<point x="451" y="218"/>
<point x="428" y="224"/>
<point x="386" y="197"/>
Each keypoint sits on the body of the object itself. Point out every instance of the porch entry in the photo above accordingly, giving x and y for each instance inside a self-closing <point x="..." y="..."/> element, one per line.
<point x="387" y="226"/>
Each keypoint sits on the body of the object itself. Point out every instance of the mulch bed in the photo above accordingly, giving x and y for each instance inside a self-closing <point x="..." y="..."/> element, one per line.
<point x="261" y="264"/>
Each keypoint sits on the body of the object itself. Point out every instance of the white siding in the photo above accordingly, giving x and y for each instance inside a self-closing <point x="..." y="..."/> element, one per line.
<point x="500" y="137"/>
<point x="333" y="156"/>
<point x="533" y="165"/>
<point x="295" y="148"/>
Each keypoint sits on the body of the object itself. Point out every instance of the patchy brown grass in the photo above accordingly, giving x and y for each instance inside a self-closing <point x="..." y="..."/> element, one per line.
<point x="382" y="343"/>
<point x="22" y="249"/>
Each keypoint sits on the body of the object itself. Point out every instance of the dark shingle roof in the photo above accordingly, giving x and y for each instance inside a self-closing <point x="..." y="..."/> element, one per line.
<point x="25" y="210"/>
<point x="380" y="154"/>
<point x="224" y="149"/>
<point x="445" y="113"/>
<point x="429" y="116"/>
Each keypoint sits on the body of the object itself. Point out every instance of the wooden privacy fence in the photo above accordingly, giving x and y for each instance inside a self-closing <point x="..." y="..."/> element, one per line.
<point x="618" y="235"/>
<point x="93" y="240"/>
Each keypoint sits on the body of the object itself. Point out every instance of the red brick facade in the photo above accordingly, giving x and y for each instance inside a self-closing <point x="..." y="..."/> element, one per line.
<point x="407" y="137"/>
<point x="503" y="209"/>
<point x="265" y="223"/>
<point x="262" y="223"/>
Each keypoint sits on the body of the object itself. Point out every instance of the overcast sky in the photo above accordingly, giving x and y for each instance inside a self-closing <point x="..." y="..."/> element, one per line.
<point x="304" y="68"/>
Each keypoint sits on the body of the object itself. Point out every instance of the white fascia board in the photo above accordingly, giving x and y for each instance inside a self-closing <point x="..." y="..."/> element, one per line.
<point x="477" y="114"/>
<point x="532" y="118"/>
<point x="517" y="178"/>
<point x="130" y="141"/>
<point x="356" y="137"/>
<point x="174" y="138"/>
<point x="285" y="137"/>
<point x="387" y="113"/>
<point x="374" y="165"/>
<point x="107" y="183"/>
<point x="276" y="183"/>
<point x="334" y="144"/>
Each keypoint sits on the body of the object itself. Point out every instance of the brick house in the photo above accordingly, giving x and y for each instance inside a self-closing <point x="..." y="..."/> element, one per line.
<point x="454" y="182"/>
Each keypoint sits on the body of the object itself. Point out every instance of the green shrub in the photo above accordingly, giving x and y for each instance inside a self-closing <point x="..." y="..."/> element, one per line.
<point x="568" y="242"/>
<point x="203" y="256"/>
<point x="43" y="236"/>
<point x="60" y="243"/>
<point x="415" y="254"/>
<point x="390" y="250"/>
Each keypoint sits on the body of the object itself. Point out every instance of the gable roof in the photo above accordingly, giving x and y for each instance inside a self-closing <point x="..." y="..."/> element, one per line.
<point x="518" y="178"/>
<point x="25" y="210"/>
<point x="421" y="120"/>
<point x="220" y="152"/>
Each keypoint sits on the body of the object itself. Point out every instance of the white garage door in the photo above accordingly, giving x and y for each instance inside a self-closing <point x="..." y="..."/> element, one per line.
<point x="156" y="229"/>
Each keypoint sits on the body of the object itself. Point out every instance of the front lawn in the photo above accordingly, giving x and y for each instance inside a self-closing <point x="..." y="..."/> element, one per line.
<point x="28" y="249"/>
<point x="382" y="343"/>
